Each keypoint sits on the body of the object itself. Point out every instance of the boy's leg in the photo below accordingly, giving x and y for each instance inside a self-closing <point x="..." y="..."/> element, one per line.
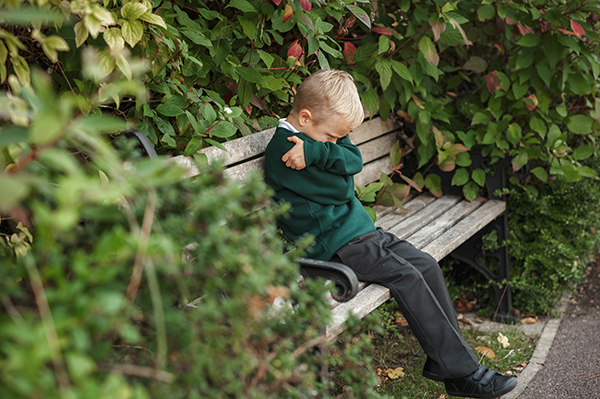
<point x="416" y="282"/>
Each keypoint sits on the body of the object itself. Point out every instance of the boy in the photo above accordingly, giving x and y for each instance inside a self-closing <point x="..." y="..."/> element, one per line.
<point x="310" y="163"/>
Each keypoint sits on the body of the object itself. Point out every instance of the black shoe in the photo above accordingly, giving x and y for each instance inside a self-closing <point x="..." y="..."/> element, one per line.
<point x="482" y="384"/>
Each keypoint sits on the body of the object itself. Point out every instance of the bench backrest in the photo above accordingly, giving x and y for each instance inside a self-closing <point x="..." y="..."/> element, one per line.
<point x="374" y="138"/>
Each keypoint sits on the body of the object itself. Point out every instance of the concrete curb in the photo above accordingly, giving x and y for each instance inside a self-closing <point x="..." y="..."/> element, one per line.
<point x="541" y="351"/>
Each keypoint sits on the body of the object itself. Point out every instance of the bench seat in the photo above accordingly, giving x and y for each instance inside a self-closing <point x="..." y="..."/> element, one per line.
<point x="437" y="226"/>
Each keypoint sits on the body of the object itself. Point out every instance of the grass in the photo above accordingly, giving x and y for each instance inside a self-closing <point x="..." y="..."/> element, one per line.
<point x="393" y="346"/>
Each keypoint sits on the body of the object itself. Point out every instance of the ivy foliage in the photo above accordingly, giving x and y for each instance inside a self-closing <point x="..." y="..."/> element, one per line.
<point x="515" y="79"/>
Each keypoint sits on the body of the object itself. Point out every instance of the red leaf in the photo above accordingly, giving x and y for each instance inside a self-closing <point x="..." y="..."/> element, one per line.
<point x="295" y="50"/>
<point x="493" y="81"/>
<point x="577" y="29"/>
<point x="382" y="31"/>
<point x="287" y="13"/>
<point x="349" y="50"/>
<point x="534" y="100"/>
<point x="438" y="26"/>
<point x="305" y="4"/>
<point x="524" y="29"/>
<point x="277" y="2"/>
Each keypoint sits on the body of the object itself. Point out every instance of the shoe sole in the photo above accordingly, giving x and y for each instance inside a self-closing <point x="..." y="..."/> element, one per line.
<point x="506" y="390"/>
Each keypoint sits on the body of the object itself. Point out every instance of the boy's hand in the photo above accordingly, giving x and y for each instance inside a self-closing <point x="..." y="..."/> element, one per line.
<point x="294" y="158"/>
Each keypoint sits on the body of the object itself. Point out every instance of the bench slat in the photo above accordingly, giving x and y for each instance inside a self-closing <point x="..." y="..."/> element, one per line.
<point x="465" y="229"/>
<point x="241" y="149"/>
<point x="373" y="128"/>
<point x="396" y="215"/>
<point x="443" y="223"/>
<point x="380" y="147"/>
<point x="372" y="171"/>
<point x="412" y="224"/>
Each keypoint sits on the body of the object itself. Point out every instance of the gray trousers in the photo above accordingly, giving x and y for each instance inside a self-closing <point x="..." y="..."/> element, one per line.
<point x="416" y="282"/>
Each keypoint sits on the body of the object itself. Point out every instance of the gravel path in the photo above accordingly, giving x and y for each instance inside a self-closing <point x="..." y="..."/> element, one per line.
<point x="572" y="366"/>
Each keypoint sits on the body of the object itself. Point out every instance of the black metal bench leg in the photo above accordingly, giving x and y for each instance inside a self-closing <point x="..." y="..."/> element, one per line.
<point x="473" y="254"/>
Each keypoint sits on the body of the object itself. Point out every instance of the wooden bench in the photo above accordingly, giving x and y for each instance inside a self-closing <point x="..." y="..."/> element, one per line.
<point x="438" y="226"/>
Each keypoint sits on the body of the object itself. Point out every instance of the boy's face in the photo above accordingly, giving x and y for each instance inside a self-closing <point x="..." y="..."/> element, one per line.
<point x="330" y="130"/>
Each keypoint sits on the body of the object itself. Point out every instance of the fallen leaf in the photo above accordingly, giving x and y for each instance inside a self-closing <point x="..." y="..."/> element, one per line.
<point x="487" y="352"/>
<point x="442" y="396"/>
<point x="503" y="339"/>
<point x="395" y="373"/>
<point x="529" y="320"/>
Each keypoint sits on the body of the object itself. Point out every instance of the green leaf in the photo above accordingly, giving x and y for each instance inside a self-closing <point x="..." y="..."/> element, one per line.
<point x="540" y="173"/>
<point x="475" y="64"/>
<point x="13" y="190"/>
<point x="114" y="39"/>
<point x="154" y="19"/>
<point x="583" y="152"/>
<point x="586" y="171"/>
<point x="519" y="161"/>
<point x="81" y="33"/>
<point x="529" y="40"/>
<point x="360" y="14"/>
<point x="461" y="177"/>
<point x="266" y="58"/>
<point x="427" y="47"/>
<point x="169" y="110"/>
<point x="323" y="63"/>
<point x="570" y="173"/>
<point x="223" y="129"/>
<point x="434" y="184"/>
<point x="478" y="177"/>
<point x="13" y="134"/>
<point x="383" y="67"/>
<point x="579" y="85"/>
<point x="470" y="191"/>
<point x="486" y="12"/>
<point x="480" y="117"/>
<point x="132" y="31"/>
<point x="544" y="72"/>
<point x="133" y="11"/>
<point x="538" y="125"/>
<point x="553" y="51"/>
<point x="580" y="124"/>
<point x="402" y="70"/>
<point x="250" y="75"/>
<point x="242" y="5"/>
<point x="197" y="38"/>
<point x="168" y="140"/>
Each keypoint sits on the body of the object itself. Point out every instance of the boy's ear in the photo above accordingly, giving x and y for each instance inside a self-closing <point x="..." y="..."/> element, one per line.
<point x="304" y="117"/>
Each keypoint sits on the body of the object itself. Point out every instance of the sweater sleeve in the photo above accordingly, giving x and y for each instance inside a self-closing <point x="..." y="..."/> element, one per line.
<point x="341" y="158"/>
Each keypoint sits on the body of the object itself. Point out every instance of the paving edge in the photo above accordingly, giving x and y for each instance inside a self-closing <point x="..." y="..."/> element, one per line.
<point x="541" y="350"/>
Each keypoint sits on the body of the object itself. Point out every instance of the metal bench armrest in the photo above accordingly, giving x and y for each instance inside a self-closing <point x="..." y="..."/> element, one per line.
<point x="346" y="283"/>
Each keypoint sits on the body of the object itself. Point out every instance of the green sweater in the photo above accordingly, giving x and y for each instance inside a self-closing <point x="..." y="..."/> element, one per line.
<point x="321" y="195"/>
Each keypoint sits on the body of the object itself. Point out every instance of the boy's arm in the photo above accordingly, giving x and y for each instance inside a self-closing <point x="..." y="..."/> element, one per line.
<point x="342" y="157"/>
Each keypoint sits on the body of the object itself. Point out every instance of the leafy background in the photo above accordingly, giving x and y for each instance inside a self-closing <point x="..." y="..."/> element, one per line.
<point x="515" y="80"/>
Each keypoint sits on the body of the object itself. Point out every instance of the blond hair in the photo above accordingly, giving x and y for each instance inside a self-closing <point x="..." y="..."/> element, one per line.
<point x="328" y="92"/>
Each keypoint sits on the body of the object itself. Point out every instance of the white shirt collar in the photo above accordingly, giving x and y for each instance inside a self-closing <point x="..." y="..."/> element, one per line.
<point x="286" y="125"/>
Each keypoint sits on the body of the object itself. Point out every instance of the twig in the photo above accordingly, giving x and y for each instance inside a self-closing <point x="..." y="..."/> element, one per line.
<point x="138" y="265"/>
<point x="594" y="376"/>
<point x="12" y="311"/>
<point x="305" y="346"/>
<point x="140" y="371"/>
<point x="42" y="303"/>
